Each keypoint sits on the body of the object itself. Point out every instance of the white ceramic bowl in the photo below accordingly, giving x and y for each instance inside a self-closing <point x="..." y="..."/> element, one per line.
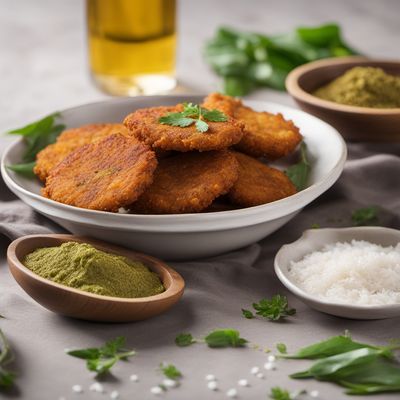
<point x="315" y="239"/>
<point x="187" y="235"/>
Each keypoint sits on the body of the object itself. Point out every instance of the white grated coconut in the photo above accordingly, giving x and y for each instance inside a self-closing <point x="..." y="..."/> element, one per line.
<point x="359" y="273"/>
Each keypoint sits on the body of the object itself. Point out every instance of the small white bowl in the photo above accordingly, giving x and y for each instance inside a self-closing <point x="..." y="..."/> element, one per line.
<point x="314" y="240"/>
<point x="184" y="236"/>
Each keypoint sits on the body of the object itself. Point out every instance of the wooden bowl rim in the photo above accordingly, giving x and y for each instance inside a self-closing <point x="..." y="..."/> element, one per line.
<point x="294" y="89"/>
<point x="177" y="282"/>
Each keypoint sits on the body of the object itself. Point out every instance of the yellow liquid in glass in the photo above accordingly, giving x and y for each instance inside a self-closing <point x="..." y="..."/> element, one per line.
<point x="132" y="45"/>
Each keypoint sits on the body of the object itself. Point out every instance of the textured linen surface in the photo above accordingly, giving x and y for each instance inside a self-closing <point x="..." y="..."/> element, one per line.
<point x="217" y="289"/>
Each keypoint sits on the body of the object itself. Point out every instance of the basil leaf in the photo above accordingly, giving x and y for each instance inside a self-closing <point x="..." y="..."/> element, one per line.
<point x="298" y="173"/>
<point x="225" y="338"/>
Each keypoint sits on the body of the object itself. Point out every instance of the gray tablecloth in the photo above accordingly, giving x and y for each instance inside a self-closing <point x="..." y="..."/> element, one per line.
<point x="216" y="291"/>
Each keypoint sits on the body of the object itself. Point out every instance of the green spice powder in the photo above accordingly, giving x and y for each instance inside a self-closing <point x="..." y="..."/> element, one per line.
<point x="363" y="87"/>
<point x="81" y="266"/>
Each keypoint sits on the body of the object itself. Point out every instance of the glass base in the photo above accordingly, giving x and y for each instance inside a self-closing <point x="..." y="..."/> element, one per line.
<point x="136" y="85"/>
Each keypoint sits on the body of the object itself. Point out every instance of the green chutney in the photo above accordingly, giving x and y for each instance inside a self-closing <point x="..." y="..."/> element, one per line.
<point x="81" y="266"/>
<point x="363" y="87"/>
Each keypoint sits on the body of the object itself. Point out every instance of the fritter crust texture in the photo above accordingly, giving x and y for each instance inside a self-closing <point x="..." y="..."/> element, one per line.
<point x="70" y="140"/>
<point x="265" y="134"/>
<point x="188" y="183"/>
<point x="104" y="175"/>
<point x="144" y="125"/>
<point x="258" y="184"/>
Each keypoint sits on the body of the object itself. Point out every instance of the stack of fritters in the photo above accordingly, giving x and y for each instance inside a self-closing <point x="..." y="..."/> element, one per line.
<point x="153" y="168"/>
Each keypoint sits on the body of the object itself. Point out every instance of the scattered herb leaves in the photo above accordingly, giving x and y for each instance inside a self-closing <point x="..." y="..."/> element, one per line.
<point x="299" y="173"/>
<point x="102" y="359"/>
<point x="6" y="377"/>
<point x="275" y="309"/>
<point x="361" y="368"/>
<point x="193" y="114"/>
<point x="170" y="371"/>
<point x="247" y="314"/>
<point x="278" y="393"/>
<point x="225" y="338"/>
<point x="37" y="136"/>
<point x="246" y="61"/>
<point x="365" y="216"/>
<point x="281" y="347"/>
<point x="184" y="340"/>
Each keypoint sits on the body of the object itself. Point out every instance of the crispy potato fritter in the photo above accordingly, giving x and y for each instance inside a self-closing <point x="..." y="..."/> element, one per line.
<point x="69" y="141"/>
<point x="258" y="184"/>
<point x="104" y="175"/>
<point x="265" y="134"/>
<point x="144" y="125"/>
<point x="188" y="183"/>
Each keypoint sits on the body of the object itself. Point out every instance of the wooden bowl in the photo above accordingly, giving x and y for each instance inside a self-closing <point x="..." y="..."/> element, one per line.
<point x="354" y="123"/>
<point x="80" y="304"/>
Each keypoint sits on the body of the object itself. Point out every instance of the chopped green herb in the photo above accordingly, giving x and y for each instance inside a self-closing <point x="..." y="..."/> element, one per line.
<point x="315" y="226"/>
<point x="361" y="368"/>
<point x="275" y="309"/>
<point x="170" y="371"/>
<point x="281" y="347"/>
<point x="37" y="136"/>
<point x="298" y="173"/>
<point x="247" y="314"/>
<point x="102" y="359"/>
<point x="6" y="377"/>
<point x="184" y="339"/>
<point x="193" y="114"/>
<point x="365" y="216"/>
<point x="278" y="393"/>
<point x="247" y="61"/>
<point x="225" y="338"/>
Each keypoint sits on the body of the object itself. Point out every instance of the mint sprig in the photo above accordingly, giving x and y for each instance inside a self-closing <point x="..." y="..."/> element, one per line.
<point x="193" y="114"/>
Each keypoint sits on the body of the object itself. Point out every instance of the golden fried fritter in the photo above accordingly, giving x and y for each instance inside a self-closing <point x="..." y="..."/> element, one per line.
<point x="104" y="175"/>
<point x="258" y="184"/>
<point x="144" y="125"/>
<point x="188" y="183"/>
<point x="265" y="135"/>
<point x="70" y="140"/>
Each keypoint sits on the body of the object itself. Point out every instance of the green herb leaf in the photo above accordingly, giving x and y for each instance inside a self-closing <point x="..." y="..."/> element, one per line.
<point x="278" y="393"/>
<point x="37" y="136"/>
<point x="365" y="216"/>
<point x="315" y="226"/>
<point x="170" y="371"/>
<point x="201" y="126"/>
<point x="298" y="173"/>
<point x="184" y="339"/>
<point x="247" y="314"/>
<point x="6" y="377"/>
<point x="330" y="347"/>
<point x="225" y="338"/>
<point x="101" y="359"/>
<point x="281" y="347"/>
<point x="275" y="309"/>
<point x="247" y="61"/>
<point x="193" y="114"/>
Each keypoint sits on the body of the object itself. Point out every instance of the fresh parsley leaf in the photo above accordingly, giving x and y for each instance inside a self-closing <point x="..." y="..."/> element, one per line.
<point x="6" y="377"/>
<point x="101" y="359"/>
<point x="201" y="126"/>
<point x="278" y="393"/>
<point x="275" y="309"/>
<point x="247" y="314"/>
<point x="193" y="114"/>
<point x="184" y="339"/>
<point x="281" y="347"/>
<point x="365" y="216"/>
<point x="225" y="338"/>
<point x="298" y="173"/>
<point x="37" y="136"/>
<point x="214" y="115"/>
<point x="170" y="371"/>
